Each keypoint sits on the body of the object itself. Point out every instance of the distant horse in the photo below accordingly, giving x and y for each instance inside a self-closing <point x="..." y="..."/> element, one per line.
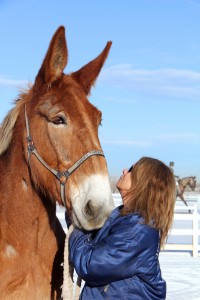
<point x="49" y="152"/>
<point x="182" y="183"/>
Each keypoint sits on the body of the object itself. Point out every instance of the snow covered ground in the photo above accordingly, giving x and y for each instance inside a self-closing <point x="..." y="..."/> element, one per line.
<point x="181" y="271"/>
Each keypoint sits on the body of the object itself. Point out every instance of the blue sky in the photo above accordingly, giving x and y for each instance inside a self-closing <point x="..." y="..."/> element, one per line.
<point x="149" y="88"/>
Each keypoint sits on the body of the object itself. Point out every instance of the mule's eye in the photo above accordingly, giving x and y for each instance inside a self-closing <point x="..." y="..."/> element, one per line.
<point x="59" y="120"/>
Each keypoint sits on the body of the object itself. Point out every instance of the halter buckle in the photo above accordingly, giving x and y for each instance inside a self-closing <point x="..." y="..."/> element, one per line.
<point x="31" y="148"/>
<point x="29" y="139"/>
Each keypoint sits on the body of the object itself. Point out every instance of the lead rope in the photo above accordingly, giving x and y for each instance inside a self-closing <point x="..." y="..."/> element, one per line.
<point x="70" y="290"/>
<point x="78" y="288"/>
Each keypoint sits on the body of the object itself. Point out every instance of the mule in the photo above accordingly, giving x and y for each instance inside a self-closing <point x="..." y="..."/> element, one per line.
<point x="49" y="153"/>
<point x="182" y="184"/>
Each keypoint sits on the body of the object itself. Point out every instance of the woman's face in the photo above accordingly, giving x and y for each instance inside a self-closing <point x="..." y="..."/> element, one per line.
<point x="124" y="182"/>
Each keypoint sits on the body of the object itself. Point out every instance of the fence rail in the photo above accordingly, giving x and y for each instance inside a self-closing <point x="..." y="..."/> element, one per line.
<point x="194" y="232"/>
<point x="185" y="216"/>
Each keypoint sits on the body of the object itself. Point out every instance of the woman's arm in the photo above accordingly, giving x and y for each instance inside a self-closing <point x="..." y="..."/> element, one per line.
<point x="113" y="258"/>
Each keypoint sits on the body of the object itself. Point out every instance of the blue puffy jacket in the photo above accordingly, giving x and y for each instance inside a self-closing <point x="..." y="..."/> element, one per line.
<point x="121" y="262"/>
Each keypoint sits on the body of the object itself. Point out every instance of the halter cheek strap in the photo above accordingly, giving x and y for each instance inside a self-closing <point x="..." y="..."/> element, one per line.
<point x="61" y="176"/>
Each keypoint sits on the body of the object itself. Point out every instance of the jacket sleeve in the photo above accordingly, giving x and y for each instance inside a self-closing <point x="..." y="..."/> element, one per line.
<point x="110" y="259"/>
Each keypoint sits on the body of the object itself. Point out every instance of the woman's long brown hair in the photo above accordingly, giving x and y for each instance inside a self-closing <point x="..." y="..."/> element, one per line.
<point x="152" y="194"/>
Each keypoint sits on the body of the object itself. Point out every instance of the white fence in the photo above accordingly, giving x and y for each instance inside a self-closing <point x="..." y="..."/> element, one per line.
<point x="186" y="226"/>
<point x="193" y="218"/>
<point x="182" y="215"/>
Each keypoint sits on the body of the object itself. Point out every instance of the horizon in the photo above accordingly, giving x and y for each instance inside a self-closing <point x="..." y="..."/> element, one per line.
<point x="148" y="89"/>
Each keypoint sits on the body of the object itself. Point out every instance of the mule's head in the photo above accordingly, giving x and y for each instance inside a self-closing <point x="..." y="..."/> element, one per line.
<point x="192" y="182"/>
<point x="64" y="127"/>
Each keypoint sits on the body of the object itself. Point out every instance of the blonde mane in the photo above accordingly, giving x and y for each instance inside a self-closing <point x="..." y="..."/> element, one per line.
<point x="6" y="128"/>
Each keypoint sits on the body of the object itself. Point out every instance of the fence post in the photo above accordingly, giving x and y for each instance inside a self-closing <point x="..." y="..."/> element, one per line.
<point x="195" y="232"/>
<point x="198" y="202"/>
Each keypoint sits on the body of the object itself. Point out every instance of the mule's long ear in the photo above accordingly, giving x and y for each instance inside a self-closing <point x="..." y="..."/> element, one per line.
<point x="87" y="75"/>
<point x="54" y="61"/>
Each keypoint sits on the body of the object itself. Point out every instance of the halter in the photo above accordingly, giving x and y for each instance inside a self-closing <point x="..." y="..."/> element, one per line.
<point x="61" y="176"/>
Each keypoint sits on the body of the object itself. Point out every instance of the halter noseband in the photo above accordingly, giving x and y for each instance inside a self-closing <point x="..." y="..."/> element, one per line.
<point x="61" y="176"/>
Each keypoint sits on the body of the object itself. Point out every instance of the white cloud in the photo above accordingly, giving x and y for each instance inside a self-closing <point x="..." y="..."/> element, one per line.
<point x="194" y="3"/>
<point x="188" y="138"/>
<point x="162" y="82"/>
<point x="178" y="137"/>
<point x="12" y="83"/>
<point x="126" y="143"/>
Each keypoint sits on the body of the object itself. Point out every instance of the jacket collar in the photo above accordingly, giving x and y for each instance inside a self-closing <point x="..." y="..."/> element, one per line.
<point x="114" y="214"/>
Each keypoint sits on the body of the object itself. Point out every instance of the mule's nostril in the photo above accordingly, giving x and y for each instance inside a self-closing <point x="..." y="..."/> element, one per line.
<point x="89" y="208"/>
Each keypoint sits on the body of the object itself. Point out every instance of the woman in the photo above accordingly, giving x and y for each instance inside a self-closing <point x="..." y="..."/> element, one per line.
<point x="121" y="260"/>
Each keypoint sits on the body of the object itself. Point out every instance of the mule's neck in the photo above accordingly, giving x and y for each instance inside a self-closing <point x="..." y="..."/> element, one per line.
<point x="185" y="181"/>
<point x="23" y="210"/>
